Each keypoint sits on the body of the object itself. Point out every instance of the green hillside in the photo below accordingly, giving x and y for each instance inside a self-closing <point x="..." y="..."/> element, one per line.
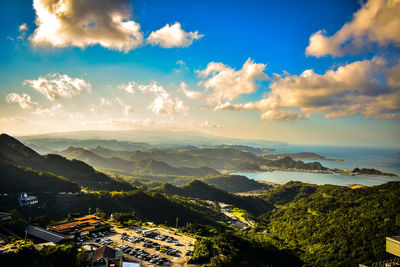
<point x="215" y="158"/>
<point x="288" y="163"/>
<point x="333" y="225"/>
<point x="142" y="166"/>
<point x="198" y="189"/>
<point x="234" y="183"/>
<point x="76" y="171"/>
<point x="19" y="179"/>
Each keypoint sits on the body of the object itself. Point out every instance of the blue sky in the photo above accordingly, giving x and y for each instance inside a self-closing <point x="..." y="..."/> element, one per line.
<point x="306" y="109"/>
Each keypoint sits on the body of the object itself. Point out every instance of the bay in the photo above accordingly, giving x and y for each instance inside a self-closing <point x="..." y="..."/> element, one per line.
<point x="282" y="177"/>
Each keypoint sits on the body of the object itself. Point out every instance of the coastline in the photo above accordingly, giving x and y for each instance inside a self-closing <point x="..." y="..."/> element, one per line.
<point x="329" y="171"/>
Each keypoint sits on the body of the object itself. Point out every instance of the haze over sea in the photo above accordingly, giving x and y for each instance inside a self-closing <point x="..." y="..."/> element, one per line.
<point x="384" y="159"/>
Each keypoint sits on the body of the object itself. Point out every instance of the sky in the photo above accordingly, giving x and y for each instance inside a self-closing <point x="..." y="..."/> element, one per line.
<point x="303" y="72"/>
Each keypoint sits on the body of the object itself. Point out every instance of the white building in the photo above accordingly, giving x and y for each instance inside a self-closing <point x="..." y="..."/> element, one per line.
<point x="25" y="200"/>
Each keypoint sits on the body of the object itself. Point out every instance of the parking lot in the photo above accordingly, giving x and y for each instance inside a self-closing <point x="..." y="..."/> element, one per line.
<point x="157" y="248"/>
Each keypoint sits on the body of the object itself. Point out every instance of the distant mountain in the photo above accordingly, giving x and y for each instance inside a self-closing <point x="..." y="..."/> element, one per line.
<point x="141" y="166"/>
<point x="157" y="137"/>
<point x="254" y="150"/>
<point x="234" y="183"/>
<point x="288" y="162"/>
<point x="18" y="179"/>
<point x="199" y="189"/>
<point x="46" y="145"/>
<point x="74" y="170"/>
<point x="215" y="158"/>
<point x="301" y="155"/>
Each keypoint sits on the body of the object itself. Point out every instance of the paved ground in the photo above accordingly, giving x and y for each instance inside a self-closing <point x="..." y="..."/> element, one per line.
<point x="184" y="242"/>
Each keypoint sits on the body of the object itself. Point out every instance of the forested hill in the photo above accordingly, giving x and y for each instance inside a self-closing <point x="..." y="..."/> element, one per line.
<point x="333" y="225"/>
<point x="288" y="162"/>
<point x="198" y="189"/>
<point x="234" y="183"/>
<point x="140" y="166"/>
<point x="15" y="152"/>
<point x="19" y="179"/>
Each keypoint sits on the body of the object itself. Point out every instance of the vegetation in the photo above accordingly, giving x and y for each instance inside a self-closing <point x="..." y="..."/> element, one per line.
<point x="19" y="179"/>
<point x="289" y="163"/>
<point x="332" y="225"/>
<point x="234" y="183"/>
<point x="371" y="172"/>
<point x="223" y="247"/>
<point x="198" y="189"/>
<point x="60" y="255"/>
<point x="294" y="224"/>
<point x="15" y="152"/>
<point x="140" y="166"/>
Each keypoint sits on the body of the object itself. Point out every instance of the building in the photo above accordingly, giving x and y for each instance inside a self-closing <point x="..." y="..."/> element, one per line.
<point x="26" y="201"/>
<point x="5" y="217"/>
<point x="106" y="257"/>
<point x="392" y="247"/>
<point x="77" y="227"/>
<point x="45" y="235"/>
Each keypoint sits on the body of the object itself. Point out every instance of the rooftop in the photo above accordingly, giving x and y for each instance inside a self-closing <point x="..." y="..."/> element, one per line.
<point x="90" y="219"/>
<point x="44" y="234"/>
<point x="104" y="252"/>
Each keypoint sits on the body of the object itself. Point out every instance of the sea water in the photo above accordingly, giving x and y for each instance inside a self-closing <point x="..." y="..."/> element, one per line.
<point x="282" y="177"/>
<point x="383" y="159"/>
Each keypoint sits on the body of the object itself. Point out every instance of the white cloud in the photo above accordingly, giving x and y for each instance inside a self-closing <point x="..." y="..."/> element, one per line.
<point x="208" y="124"/>
<point x="127" y="109"/>
<point x="377" y="21"/>
<point x="173" y="36"/>
<point x="55" y="86"/>
<point x="23" y="27"/>
<point x="181" y="66"/>
<point x="228" y="83"/>
<point x="368" y="88"/>
<point x="129" y="88"/>
<point x="47" y="111"/>
<point x="84" y="23"/>
<point x="105" y="102"/>
<point x="189" y="93"/>
<point x="24" y="100"/>
<point x="163" y="103"/>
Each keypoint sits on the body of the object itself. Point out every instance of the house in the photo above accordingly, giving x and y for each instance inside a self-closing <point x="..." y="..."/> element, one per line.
<point x="106" y="257"/>
<point x="25" y="200"/>
<point x="77" y="227"/>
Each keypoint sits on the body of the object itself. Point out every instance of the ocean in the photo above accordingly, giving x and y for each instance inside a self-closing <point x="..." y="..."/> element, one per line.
<point x="383" y="159"/>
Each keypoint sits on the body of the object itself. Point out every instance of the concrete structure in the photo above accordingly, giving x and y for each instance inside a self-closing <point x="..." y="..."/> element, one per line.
<point x="5" y="217"/>
<point x="393" y="245"/>
<point x="77" y="227"/>
<point x="25" y="200"/>
<point x="44" y="234"/>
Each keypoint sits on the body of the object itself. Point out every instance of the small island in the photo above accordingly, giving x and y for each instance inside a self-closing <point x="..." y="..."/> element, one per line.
<point x="301" y="156"/>
<point x="366" y="171"/>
